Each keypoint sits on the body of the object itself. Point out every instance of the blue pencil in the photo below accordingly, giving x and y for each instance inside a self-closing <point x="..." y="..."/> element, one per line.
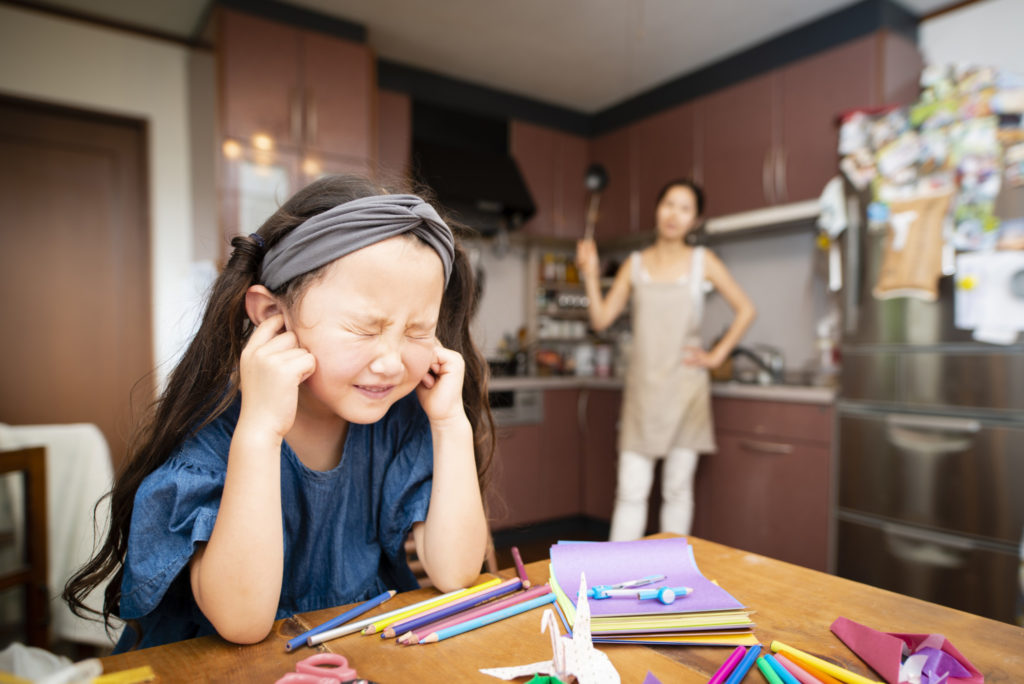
<point x="487" y="619"/>
<point x="744" y="665"/>
<point x="353" y="612"/>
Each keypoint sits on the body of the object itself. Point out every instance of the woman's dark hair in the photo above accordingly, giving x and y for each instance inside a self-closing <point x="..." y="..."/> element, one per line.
<point x="195" y="394"/>
<point x="696" y="236"/>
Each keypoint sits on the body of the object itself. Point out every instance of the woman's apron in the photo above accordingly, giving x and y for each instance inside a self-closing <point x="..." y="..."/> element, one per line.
<point x="666" y="403"/>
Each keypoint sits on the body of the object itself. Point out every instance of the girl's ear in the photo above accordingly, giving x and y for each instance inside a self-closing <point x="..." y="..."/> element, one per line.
<point x="260" y="304"/>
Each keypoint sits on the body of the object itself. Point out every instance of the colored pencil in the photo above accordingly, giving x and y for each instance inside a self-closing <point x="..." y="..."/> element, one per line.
<point x="349" y="614"/>
<point x="488" y="619"/>
<point x="839" y="673"/>
<point x="531" y="593"/>
<point x="744" y="665"/>
<point x="439" y="601"/>
<point x="356" y="626"/>
<point x="805" y="676"/>
<point x="782" y="672"/>
<point x="723" y="671"/>
<point x="768" y="671"/>
<point x="447" y="610"/>
<point x="520" y="569"/>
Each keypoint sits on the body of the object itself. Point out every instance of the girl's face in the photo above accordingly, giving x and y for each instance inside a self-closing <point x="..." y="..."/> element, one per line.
<point x="370" y="323"/>
<point x="676" y="214"/>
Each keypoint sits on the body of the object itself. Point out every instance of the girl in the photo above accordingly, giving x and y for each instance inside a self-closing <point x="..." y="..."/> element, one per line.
<point x="319" y="415"/>
<point x="666" y="400"/>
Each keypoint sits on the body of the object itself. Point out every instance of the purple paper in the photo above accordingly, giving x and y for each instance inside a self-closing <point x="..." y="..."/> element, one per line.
<point x="614" y="562"/>
<point x="651" y="679"/>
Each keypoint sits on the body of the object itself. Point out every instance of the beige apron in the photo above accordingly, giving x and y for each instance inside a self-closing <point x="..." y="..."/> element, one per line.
<point x="666" y="404"/>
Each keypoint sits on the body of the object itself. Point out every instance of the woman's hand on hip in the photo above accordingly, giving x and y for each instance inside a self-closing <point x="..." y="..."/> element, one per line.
<point x="271" y="368"/>
<point x="696" y="356"/>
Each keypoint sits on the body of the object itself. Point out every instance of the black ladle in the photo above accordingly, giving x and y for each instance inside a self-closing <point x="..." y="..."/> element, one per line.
<point x="595" y="180"/>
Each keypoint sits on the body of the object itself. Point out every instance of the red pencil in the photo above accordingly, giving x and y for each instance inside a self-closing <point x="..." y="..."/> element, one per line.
<point x="520" y="570"/>
<point x="531" y="593"/>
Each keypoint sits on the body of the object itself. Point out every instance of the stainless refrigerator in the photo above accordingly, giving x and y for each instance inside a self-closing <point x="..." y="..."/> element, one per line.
<point x="930" y="472"/>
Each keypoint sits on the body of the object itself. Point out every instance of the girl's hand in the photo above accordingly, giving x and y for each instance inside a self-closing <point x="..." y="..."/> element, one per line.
<point x="271" y="368"/>
<point x="587" y="260"/>
<point x="440" y="390"/>
<point x="695" y="356"/>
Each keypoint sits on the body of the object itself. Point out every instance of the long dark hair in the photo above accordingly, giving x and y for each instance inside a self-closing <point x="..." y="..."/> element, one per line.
<point x="195" y="393"/>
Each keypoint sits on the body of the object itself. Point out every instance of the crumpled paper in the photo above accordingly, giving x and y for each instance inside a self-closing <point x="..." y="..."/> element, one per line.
<point x="907" y="658"/>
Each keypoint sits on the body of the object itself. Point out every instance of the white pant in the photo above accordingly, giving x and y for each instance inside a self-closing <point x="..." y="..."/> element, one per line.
<point x="636" y="474"/>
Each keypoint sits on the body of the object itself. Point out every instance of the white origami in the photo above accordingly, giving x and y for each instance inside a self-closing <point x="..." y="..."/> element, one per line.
<point x="571" y="658"/>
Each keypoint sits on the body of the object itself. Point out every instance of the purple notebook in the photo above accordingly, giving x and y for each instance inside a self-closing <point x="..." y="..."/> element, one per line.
<point x="614" y="562"/>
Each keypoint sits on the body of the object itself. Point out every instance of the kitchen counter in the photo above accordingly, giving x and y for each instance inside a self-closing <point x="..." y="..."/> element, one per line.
<point x="805" y="394"/>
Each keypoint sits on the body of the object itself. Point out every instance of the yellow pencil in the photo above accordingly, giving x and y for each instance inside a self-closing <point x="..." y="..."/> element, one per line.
<point x="839" y="673"/>
<point x="420" y="608"/>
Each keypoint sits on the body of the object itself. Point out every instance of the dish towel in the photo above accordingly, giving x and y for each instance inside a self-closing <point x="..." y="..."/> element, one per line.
<point x="78" y="473"/>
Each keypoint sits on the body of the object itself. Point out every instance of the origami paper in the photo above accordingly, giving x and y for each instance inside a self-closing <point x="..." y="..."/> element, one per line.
<point x="907" y="658"/>
<point x="575" y="657"/>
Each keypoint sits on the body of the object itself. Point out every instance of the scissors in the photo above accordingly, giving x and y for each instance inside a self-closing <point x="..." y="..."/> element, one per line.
<point x="322" y="668"/>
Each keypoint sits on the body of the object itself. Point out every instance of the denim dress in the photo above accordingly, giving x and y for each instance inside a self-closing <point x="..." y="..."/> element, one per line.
<point x="344" y="529"/>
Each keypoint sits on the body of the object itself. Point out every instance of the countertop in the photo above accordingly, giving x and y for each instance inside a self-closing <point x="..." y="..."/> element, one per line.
<point x="805" y="394"/>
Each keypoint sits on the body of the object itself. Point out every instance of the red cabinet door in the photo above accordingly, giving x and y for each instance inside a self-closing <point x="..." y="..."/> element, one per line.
<point x="572" y="197"/>
<point x="737" y="133"/>
<point x="599" y="440"/>
<point x="664" y="152"/>
<point x="614" y="151"/>
<point x="535" y="150"/>
<point x="813" y="93"/>
<point x="338" y="96"/>
<point x="394" y="134"/>
<point x="260" y="76"/>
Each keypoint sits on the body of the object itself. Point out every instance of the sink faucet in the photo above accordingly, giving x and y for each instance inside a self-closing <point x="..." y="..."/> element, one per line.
<point x="769" y="360"/>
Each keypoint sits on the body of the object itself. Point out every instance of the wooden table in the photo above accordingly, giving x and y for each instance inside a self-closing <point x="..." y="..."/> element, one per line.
<point x="791" y="604"/>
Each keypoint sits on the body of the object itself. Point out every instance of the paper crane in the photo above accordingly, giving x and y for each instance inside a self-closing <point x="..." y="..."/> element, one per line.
<point x="575" y="657"/>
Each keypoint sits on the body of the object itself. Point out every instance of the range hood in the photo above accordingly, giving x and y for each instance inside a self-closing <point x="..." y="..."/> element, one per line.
<point x="481" y="188"/>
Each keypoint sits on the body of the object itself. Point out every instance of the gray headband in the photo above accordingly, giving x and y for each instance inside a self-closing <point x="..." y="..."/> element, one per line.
<point x="343" y="229"/>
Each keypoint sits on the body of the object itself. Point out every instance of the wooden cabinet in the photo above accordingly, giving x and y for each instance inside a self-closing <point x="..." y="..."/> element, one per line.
<point x="294" y="105"/>
<point x="394" y="134"/>
<point x="665" y="147"/>
<point x="553" y="164"/>
<point x="562" y="467"/>
<point x="536" y="469"/>
<point x="737" y="131"/>
<point x="617" y="209"/>
<point x="767" y="488"/>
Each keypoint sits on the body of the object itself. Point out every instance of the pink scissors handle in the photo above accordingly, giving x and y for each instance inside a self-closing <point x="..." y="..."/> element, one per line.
<point x="330" y="665"/>
<point x="299" y="678"/>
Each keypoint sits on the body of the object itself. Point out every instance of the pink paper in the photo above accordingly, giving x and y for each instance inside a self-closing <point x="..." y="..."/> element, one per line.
<point x="883" y="652"/>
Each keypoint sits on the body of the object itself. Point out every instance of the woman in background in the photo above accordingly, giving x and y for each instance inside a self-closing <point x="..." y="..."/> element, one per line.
<point x="666" y="404"/>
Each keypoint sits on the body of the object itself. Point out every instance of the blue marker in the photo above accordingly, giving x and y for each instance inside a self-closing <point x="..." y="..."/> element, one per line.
<point x="744" y="665"/>
<point x="785" y="675"/>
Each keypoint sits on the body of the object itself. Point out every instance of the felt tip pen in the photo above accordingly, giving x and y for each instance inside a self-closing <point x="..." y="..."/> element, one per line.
<point x="744" y="665"/>
<point x="727" y="667"/>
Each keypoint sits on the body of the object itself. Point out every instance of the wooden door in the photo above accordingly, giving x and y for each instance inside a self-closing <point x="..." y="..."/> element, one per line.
<point x="665" y="152"/>
<point x="738" y="135"/>
<point x="813" y="93"/>
<point x="338" y="90"/>
<point x="572" y="195"/>
<point x="74" y="269"/>
<point x="261" y="88"/>
<point x="394" y="135"/>
<point x="600" y="451"/>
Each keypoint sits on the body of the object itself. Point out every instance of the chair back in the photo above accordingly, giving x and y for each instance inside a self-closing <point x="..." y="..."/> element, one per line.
<point x="30" y="570"/>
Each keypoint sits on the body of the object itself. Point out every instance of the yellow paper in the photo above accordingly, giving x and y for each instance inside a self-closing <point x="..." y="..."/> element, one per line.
<point x="136" y="675"/>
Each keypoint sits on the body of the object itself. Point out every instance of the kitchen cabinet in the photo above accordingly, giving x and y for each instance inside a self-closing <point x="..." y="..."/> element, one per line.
<point x="294" y="105"/>
<point x="617" y="215"/>
<point x="304" y="89"/>
<point x="772" y="139"/>
<point x="394" y="134"/>
<point x="599" y="438"/>
<point x="767" y="488"/>
<point x="553" y="164"/>
<point x="536" y="469"/>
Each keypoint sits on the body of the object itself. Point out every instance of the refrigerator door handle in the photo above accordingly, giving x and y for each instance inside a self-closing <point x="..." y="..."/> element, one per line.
<point x="933" y="423"/>
<point x="926" y="548"/>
